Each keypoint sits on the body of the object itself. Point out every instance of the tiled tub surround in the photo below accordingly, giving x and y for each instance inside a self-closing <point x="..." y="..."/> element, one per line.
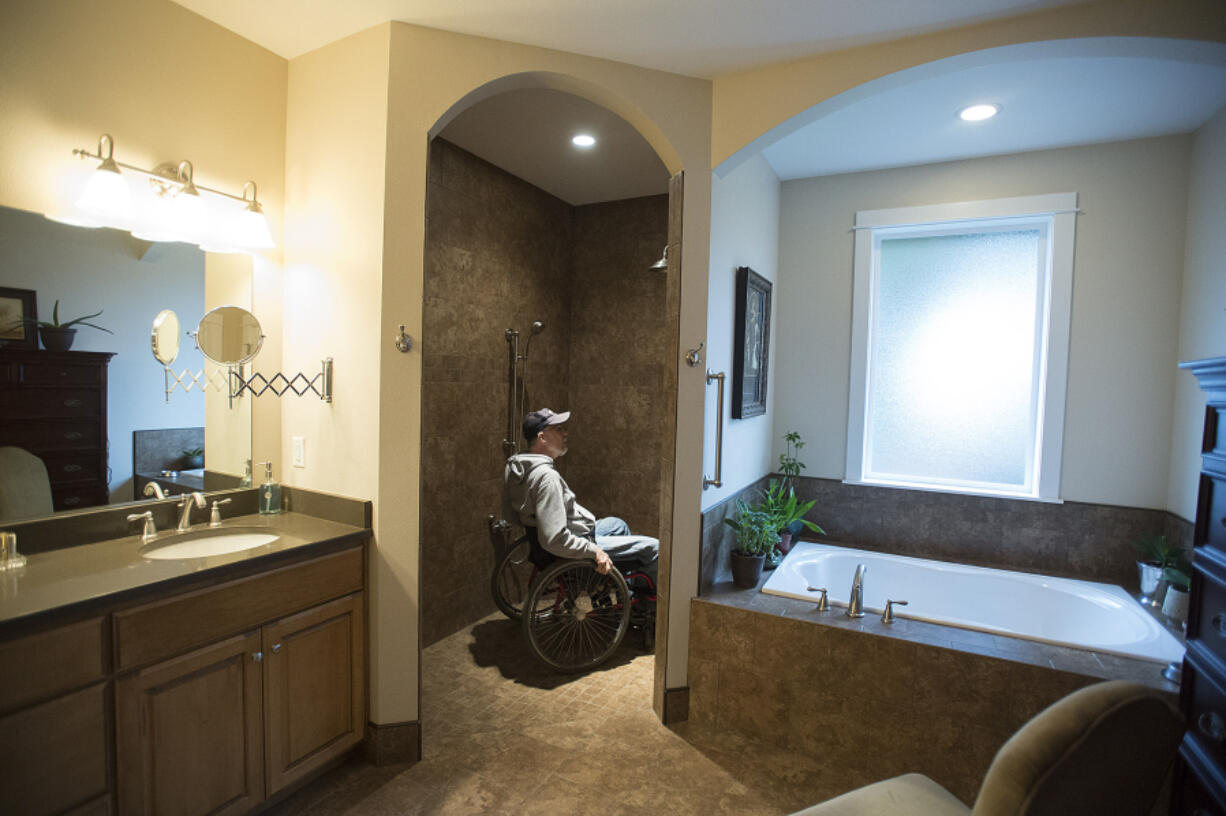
<point x="1092" y="542"/>
<point x="877" y="699"/>
<point x="501" y="254"/>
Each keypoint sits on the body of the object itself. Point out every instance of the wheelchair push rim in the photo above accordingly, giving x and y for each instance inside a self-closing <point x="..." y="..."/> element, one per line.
<point x="511" y="579"/>
<point x="574" y="617"/>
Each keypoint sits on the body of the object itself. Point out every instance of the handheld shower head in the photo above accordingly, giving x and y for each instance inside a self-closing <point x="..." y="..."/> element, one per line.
<point x="537" y="327"/>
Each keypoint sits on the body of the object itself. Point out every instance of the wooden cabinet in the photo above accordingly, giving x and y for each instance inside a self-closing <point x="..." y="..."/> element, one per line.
<point x="53" y="721"/>
<point x="222" y="727"/>
<point x="1200" y="771"/>
<point x="314" y="699"/>
<point x="189" y="732"/>
<point x="53" y="404"/>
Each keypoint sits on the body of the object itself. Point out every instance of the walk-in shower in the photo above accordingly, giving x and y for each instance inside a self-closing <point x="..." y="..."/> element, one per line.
<point x="517" y="389"/>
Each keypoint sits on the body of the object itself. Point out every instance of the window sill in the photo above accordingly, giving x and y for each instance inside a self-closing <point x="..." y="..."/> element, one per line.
<point x="984" y="493"/>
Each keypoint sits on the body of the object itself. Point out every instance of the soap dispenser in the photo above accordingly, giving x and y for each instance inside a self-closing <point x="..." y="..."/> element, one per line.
<point x="270" y="493"/>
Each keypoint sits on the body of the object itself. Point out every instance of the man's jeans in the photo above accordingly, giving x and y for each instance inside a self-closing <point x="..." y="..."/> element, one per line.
<point x="614" y="537"/>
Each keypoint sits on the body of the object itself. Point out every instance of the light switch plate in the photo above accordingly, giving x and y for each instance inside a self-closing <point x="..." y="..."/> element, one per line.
<point x="299" y="451"/>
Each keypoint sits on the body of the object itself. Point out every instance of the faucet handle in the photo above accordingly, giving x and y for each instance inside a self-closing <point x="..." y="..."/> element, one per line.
<point x="149" y="530"/>
<point x="215" y="516"/>
<point x="822" y="604"/>
<point x="888" y="615"/>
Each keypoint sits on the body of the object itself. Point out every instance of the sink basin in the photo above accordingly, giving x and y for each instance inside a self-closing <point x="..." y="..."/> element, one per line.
<point x="205" y="543"/>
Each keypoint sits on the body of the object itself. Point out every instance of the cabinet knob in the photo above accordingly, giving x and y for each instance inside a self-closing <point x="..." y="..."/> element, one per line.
<point x="1212" y="726"/>
<point x="1219" y="623"/>
<point x="73" y="434"/>
<point x="71" y="468"/>
<point x="276" y="647"/>
<point x="71" y="500"/>
<point x="73" y="403"/>
<point x="257" y="656"/>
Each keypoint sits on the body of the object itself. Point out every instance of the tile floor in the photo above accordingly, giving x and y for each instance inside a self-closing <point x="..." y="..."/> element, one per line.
<point x="504" y="736"/>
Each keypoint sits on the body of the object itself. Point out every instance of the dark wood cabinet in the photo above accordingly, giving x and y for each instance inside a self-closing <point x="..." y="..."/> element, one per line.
<point x="53" y="404"/>
<point x="1200" y="771"/>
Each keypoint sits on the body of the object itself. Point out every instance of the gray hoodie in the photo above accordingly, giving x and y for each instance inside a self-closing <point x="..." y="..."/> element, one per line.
<point x="535" y="494"/>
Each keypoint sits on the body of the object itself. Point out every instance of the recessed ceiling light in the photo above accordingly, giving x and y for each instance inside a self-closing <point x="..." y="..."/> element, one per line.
<point x="977" y="113"/>
<point x="583" y="140"/>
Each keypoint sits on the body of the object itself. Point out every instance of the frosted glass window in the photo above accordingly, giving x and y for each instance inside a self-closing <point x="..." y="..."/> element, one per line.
<point x="955" y="354"/>
<point x="959" y="345"/>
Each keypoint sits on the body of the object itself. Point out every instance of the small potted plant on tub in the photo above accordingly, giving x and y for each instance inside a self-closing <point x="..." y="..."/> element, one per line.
<point x="1178" y="579"/>
<point x="789" y="512"/>
<point x="757" y="533"/>
<point x="193" y="458"/>
<point x="1156" y="556"/>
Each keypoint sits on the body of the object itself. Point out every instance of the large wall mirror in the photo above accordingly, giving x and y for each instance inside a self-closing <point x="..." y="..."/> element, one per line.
<point x="132" y="282"/>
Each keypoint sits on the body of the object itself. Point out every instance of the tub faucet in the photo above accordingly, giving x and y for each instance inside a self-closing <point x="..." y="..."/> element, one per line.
<point x="185" y="509"/>
<point x="154" y="489"/>
<point x="855" y="603"/>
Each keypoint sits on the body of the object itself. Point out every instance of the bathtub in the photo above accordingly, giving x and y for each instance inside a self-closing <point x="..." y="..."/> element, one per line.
<point x="1081" y="614"/>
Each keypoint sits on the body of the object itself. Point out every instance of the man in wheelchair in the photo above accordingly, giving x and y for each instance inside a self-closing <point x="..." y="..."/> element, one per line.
<point x="537" y="496"/>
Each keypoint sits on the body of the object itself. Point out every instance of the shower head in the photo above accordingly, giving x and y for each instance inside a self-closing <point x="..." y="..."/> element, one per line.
<point x="662" y="263"/>
<point x="537" y="327"/>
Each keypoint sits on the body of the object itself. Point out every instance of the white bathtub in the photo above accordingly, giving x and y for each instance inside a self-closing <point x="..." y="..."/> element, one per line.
<point x="1081" y="614"/>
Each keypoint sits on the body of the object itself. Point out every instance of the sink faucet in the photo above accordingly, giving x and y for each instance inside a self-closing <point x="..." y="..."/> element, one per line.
<point x="154" y="489"/>
<point x="149" y="530"/>
<point x="855" y="603"/>
<point x="185" y="509"/>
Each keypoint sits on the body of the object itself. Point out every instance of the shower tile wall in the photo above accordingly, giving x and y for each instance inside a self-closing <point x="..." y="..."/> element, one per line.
<point x="501" y="254"/>
<point x="618" y="337"/>
<point x="496" y="258"/>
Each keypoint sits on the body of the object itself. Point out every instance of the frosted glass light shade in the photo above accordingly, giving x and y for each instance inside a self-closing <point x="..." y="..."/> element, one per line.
<point x="156" y="221"/>
<point x="106" y="197"/>
<point x="955" y="359"/>
<point x="251" y="230"/>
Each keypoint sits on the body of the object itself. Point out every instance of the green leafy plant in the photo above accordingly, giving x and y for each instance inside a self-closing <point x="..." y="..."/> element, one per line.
<point x="193" y="451"/>
<point x="54" y="322"/>
<point x="1156" y="550"/>
<point x="789" y="465"/>
<point x="781" y="504"/>
<point x="756" y="529"/>
<point x="1177" y="578"/>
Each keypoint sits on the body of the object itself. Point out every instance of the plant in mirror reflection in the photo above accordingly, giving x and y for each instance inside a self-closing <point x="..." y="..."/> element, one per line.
<point x="54" y="322"/>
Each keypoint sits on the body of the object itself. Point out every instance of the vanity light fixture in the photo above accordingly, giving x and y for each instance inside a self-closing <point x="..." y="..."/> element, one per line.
<point x="171" y="207"/>
<point x="584" y="140"/>
<point x="978" y="113"/>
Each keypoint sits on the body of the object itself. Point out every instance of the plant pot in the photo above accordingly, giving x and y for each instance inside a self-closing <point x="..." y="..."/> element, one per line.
<point x="747" y="570"/>
<point x="785" y="542"/>
<point x="1153" y="587"/>
<point x="1175" y="606"/>
<point x="193" y="462"/>
<point x="56" y="339"/>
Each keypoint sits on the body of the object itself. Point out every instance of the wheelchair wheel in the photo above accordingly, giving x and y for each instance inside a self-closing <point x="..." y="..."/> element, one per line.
<point x="511" y="578"/>
<point x="574" y="617"/>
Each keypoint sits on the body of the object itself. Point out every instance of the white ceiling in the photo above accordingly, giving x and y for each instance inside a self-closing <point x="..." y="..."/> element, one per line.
<point x="698" y="38"/>
<point x="528" y="132"/>
<point x="1051" y="95"/>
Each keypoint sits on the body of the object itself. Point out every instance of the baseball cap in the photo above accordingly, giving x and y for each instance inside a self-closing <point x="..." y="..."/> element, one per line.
<point x="538" y="421"/>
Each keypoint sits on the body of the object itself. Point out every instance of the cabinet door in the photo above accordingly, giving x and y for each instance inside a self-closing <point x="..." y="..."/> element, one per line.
<point x="188" y="732"/>
<point x="314" y="688"/>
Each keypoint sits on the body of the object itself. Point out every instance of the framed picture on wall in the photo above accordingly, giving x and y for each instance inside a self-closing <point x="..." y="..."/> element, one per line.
<point x="751" y="343"/>
<point x="18" y="311"/>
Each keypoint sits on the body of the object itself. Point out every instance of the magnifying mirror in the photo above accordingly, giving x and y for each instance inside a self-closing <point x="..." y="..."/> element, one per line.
<point x="229" y="335"/>
<point x="165" y="338"/>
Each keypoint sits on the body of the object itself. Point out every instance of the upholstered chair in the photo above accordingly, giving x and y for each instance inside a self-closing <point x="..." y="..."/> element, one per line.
<point x="25" y="489"/>
<point x="1103" y="750"/>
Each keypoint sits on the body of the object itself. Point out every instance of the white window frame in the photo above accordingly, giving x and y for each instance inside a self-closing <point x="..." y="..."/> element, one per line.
<point x="1057" y="213"/>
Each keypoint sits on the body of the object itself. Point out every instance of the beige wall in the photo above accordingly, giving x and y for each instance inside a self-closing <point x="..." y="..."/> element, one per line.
<point x="1202" y="318"/>
<point x="1126" y="284"/>
<point x="748" y="105"/>
<point x="375" y="429"/>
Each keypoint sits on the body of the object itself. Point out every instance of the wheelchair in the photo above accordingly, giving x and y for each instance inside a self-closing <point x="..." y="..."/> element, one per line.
<point x="572" y="617"/>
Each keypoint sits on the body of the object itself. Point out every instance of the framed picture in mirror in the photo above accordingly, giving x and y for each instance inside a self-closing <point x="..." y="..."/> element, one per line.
<point x="751" y="344"/>
<point x="18" y="316"/>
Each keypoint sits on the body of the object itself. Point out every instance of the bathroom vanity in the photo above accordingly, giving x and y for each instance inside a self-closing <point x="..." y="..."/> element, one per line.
<point x="197" y="685"/>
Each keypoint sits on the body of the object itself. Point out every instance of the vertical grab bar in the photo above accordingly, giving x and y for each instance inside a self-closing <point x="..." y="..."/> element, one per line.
<point x="719" y="431"/>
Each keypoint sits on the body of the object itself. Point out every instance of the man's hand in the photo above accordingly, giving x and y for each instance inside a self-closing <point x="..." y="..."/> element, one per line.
<point x="603" y="562"/>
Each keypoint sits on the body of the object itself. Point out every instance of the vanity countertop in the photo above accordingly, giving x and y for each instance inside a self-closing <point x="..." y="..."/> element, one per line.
<point x="89" y="572"/>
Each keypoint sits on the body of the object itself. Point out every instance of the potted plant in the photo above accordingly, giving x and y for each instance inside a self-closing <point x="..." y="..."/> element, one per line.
<point x="1178" y="578"/>
<point x="1157" y="554"/>
<point x="788" y="512"/>
<point x="57" y="336"/>
<point x="193" y="458"/>
<point x="756" y="535"/>
<point x="789" y="465"/>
